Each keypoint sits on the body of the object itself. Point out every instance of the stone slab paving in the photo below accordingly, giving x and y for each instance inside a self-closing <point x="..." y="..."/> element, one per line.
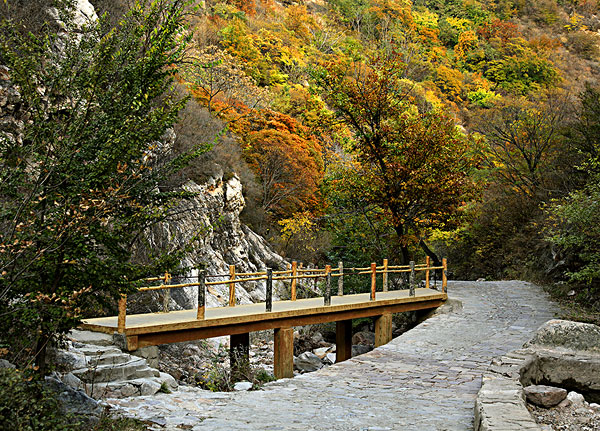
<point x="426" y="379"/>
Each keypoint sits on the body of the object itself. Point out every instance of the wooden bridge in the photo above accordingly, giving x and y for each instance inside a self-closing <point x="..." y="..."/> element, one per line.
<point x="141" y="330"/>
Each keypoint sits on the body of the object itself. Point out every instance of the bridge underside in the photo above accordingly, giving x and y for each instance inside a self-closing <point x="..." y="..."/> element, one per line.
<point x="161" y="328"/>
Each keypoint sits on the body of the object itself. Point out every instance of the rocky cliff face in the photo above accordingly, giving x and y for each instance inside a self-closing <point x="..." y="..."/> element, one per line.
<point x="212" y="217"/>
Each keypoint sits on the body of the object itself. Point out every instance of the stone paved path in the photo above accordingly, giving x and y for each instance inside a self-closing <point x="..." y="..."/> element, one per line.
<point x="425" y="379"/>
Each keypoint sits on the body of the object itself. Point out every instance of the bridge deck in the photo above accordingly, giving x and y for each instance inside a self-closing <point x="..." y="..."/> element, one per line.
<point x="158" y="328"/>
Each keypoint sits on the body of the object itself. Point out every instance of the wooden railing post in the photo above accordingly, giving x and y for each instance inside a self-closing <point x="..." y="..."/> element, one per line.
<point x="201" y="294"/>
<point x="269" y="290"/>
<point x="122" y="314"/>
<point x="294" y="274"/>
<point x="232" y="286"/>
<point x="341" y="279"/>
<point x="412" y="279"/>
<point x="444" y="275"/>
<point x="427" y="261"/>
<point x="385" y="275"/>
<point x="327" y="296"/>
<point x="373" y="280"/>
<point x="166" y="293"/>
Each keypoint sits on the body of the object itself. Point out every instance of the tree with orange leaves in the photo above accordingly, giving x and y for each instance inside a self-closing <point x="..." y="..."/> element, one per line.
<point x="413" y="165"/>
<point x="286" y="158"/>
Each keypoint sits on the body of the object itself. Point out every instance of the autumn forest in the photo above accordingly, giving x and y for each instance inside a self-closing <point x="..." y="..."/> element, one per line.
<point x="364" y="129"/>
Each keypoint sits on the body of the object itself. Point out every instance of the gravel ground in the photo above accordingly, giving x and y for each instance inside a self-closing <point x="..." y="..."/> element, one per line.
<point x="581" y="417"/>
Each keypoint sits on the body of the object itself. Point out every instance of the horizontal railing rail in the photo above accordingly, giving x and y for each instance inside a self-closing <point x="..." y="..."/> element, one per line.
<point x="293" y="274"/>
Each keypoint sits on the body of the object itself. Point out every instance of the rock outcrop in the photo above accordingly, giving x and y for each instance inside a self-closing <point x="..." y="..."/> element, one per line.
<point x="211" y="221"/>
<point x="102" y="370"/>
<point x="562" y="353"/>
<point x="567" y="336"/>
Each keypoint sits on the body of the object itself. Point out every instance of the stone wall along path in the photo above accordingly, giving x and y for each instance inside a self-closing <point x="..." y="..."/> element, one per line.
<point x="426" y="379"/>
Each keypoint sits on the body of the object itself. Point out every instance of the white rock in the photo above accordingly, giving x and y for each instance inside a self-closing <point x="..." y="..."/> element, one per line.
<point x="169" y="380"/>
<point x="242" y="386"/>
<point x="321" y="352"/>
<point x="149" y="386"/>
<point x="576" y="399"/>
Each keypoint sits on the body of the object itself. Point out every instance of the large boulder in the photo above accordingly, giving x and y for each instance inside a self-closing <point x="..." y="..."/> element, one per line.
<point x="572" y="371"/>
<point x="75" y="401"/>
<point x="565" y="354"/>
<point x="565" y="335"/>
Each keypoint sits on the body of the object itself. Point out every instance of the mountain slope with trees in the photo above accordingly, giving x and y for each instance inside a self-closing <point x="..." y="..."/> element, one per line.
<point x="386" y="176"/>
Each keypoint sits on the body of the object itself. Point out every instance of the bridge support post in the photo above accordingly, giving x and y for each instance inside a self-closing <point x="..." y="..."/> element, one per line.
<point x="343" y="340"/>
<point x="239" y="354"/>
<point x="383" y="330"/>
<point x="283" y="358"/>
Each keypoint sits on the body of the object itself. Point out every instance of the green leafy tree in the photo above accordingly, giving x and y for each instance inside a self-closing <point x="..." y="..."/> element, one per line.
<point x="573" y="221"/>
<point x="81" y="180"/>
<point x="575" y="228"/>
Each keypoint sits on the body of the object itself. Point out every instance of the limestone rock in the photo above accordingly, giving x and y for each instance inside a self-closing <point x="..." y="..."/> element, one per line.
<point x="169" y="380"/>
<point x="576" y="399"/>
<point x="148" y="386"/>
<point x="564" y="368"/>
<point x="105" y="371"/>
<point x="544" y="396"/>
<point x="83" y="13"/>
<point x="72" y="381"/>
<point x="5" y="364"/>
<point x="67" y="360"/>
<point x="321" y="352"/>
<point x="307" y="362"/>
<point x="90" y="337"/>
<point x="150" y="354"/>
<point x="242" y="386"/>
<point x="567" y="335"/>
<point x="74" y="401"/>
<point x="214" y="210"/>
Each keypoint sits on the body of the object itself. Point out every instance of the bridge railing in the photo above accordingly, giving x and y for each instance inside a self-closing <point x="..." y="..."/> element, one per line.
<point x="293" y="274"/>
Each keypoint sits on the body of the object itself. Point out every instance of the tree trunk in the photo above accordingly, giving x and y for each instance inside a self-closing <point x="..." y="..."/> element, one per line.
<point x="433" y="256"/>
<point x="405" y="255"/>
<point x="40" y="353"/>
<point x="430" y="253"/>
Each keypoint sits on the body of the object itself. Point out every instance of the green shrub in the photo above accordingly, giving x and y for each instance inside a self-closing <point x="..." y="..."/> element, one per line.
<point x="575" y="229"/>
<point x="25" y="405"/>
